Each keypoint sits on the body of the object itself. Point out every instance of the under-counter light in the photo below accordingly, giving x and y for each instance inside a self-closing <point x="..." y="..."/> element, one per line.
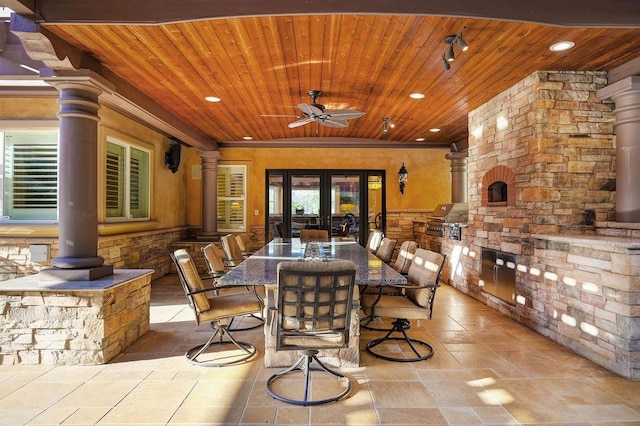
<point x="561" y="46"/>
<point x="212" y="99"/>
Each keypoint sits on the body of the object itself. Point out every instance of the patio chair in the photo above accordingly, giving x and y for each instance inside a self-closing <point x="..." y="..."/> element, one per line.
<point x="416" y="302"/>
<point x="375" y="238"/>
<point x="386" y="249"/>
<point x="245" y="244"/>
<point x="215" y="259"/>
<point x="405" y="256"/>
<point x="216" y="309"/>
<point x="314" y="235"/>
<point x="314" y="305"/>
<point x="231" y="250"/>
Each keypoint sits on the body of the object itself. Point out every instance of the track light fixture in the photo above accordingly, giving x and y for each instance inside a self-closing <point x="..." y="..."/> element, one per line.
<point x="386" y="125"/>
<point x="449" y="55"/>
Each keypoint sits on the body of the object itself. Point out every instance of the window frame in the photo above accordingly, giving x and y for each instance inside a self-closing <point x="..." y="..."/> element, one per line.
<point x="127" y="147"/>
<point x="243" y="199"/>
<point x="4" y="181"/>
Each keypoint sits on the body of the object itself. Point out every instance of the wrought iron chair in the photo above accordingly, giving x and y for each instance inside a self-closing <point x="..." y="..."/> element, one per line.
<point x="374" y="240"/>
<point x="231" y="250"/>
<point x="217" y="310"/>
<point x="245" y="244"/>
<point x="314" y="235"/>
<point x="386" y="249"/>
<point x="416" y="302"/>
<point x="314" y="305"/>
<point x="405" y="256"/>
<point x="215" y="259"/>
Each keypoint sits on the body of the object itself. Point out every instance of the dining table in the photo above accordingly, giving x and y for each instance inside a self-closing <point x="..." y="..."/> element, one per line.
<point x="260" y="269"/>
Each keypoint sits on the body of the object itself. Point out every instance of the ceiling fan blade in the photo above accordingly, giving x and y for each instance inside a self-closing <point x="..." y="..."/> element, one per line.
<point x="282" y="115"/>
<point x="310" y="109"/>
<point x="329" y="122"/>
<point x="344" y="114"/>
<point x="300" y="123"/>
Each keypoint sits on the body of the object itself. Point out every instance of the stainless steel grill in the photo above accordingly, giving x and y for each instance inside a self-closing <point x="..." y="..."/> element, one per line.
<point x="446" y="213"/>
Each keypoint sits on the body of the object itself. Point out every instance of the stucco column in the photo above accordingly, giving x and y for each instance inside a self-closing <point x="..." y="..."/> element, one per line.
<point x="626" y="95"/>
<point x="78" y="173"/>
<point x="458" y="176"/>
<point x="209" y="230"/>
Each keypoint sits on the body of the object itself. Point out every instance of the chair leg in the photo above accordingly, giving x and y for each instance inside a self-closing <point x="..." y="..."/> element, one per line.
<point x="400" y="325"/>
<point x="248" y="350"/>
<point x="305" y="365"/>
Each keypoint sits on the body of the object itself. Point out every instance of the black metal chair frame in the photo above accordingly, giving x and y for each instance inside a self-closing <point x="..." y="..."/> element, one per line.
<point x="220" y="331"/>
<point x="401" y="325"/>
<point x="308" y="356"/>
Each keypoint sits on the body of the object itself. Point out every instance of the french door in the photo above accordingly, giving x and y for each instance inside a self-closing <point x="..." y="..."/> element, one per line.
<point x="344" y="202"/>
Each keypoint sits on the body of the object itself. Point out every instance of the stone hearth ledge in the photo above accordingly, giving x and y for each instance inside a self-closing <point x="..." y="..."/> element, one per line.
<point x="73" y="322"/>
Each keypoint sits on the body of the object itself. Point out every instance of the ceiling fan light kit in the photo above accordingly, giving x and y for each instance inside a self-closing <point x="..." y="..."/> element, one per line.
<point x="449" y="55"/>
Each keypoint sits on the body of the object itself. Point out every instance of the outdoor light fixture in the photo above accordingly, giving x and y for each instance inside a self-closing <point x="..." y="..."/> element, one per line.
<point x="402" y="177"/>
<point x="386" y="125"/>
<point x="449" y="55"/>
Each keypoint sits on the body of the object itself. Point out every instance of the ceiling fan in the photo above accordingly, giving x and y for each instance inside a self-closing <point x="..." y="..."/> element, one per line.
<point x="316" y="112"/>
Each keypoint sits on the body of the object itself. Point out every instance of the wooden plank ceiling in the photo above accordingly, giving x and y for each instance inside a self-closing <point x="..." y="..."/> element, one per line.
<point x="266" y="65"/>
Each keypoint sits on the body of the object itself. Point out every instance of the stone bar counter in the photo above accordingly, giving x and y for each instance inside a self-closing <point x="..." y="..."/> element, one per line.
<point x="583" y="291"/>
<point x="73" y="322"/>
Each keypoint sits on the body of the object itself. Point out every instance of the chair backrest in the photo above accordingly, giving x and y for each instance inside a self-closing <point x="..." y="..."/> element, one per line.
<point x="314" y="304"/>
<point x="214" y="257"/>
<point x="231" y="250"/>
<point x="191" y="281"/>
<point x="405" y="256"/>
<point x="314" y="235"/>
<point x="375" y="238"/>
<point x="244" y="242"/>
<point x="386" y="249"/>
<point x="424" y="274"/>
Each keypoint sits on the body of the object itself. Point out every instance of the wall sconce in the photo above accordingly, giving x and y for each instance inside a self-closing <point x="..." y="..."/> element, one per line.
<point x="386" y="125"/>
<point x="402" y="177"/>
<point x="449" y="55"/>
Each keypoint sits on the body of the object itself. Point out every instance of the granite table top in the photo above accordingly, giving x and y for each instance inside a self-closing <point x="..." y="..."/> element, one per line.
<point x="261" y="267"/>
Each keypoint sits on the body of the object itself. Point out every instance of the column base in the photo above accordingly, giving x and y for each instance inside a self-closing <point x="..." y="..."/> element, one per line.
<point x="88" y="274"/>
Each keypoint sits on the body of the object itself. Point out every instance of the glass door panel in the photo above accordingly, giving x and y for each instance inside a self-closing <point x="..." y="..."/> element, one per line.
<point x="275" y="202"/>
<point x="305" y="203"/>
<point x="375" y="201"/>
<point x="345" y="205"/>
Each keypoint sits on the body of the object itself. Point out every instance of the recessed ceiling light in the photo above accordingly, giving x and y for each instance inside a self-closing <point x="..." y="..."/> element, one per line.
<point x="212" y="99"/>
<point x="434" y="130"/>
<point x="416" y="95"/>
<point x="561" y="45"/>
<point x="247" y="138"/>
<point x="420" y="139"/>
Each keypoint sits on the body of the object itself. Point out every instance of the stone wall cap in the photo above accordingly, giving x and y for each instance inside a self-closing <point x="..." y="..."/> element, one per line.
<point x="591" y="240"/>
<point x="33" y="283"/>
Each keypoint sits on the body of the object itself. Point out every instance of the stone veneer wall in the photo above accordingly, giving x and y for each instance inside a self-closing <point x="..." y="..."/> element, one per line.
<point x="136" y="250"/>
<point x="581" y="288"/>
<point x="52" y="326"/>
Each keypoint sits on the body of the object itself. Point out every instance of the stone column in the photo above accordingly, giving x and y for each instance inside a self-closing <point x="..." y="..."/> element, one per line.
<point x="458" y="176"/>
<point x="626" y="95"/>
<point x="78" y="176"/>
<point x="209" y="230"/>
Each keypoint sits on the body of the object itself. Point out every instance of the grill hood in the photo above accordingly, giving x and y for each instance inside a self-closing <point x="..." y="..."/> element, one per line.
<point x="451" y="213"/>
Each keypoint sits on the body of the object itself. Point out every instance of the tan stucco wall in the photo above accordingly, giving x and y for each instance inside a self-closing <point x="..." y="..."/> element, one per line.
<point x="429" y="173"/>
<point x="168" y="198"/>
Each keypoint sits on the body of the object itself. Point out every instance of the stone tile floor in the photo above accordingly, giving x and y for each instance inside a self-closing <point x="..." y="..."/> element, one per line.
<point x="486" y="369"/>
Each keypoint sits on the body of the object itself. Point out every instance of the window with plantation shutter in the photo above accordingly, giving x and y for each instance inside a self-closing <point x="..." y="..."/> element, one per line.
<point x="30" y="176"/>
<point x="232" y="198"/>
<point x="127" y="182"/>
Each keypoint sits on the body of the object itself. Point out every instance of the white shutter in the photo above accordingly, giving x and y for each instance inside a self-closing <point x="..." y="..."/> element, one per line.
<point x="231" y="190"/>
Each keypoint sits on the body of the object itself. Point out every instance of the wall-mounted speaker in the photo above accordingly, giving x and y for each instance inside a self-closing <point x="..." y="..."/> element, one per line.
<point x="172" y="156"/>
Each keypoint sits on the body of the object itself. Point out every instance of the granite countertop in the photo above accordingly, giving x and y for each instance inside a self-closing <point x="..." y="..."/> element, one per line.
<point x="33" y="283"/>
<point x="591" y="240"/>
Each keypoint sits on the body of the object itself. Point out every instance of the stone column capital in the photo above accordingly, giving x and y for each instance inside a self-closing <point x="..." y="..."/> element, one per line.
<point x="210" y="156"/>
<point x="622" y="87"/>
<point x="81" y="79"/>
